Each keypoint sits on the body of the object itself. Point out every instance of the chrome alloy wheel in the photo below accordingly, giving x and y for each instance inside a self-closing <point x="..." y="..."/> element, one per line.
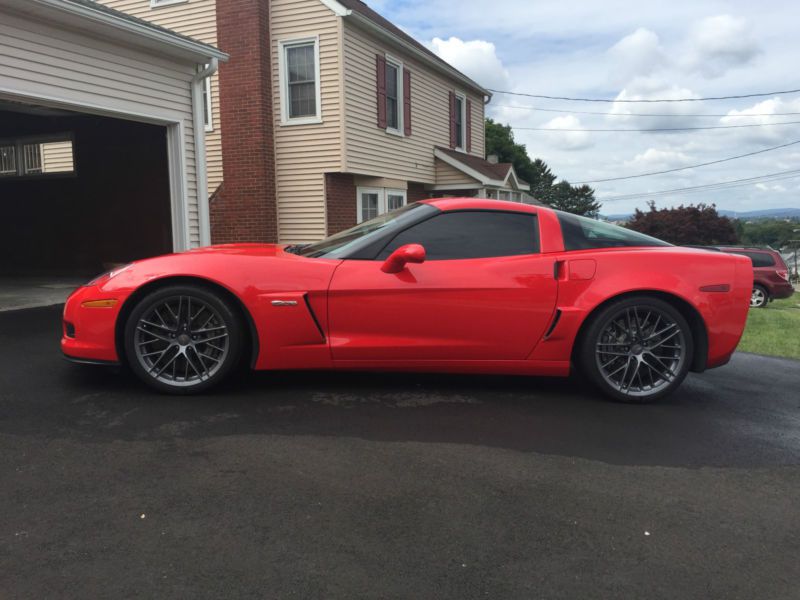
<point x="758" y="298"/>
<point x="181" y="341"/>
<point x="640" y="351"/>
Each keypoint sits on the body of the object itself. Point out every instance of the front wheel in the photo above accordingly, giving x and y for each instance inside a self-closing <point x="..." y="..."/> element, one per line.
<point x="759" y="297"/>
<point x="637" y="349"/>
<point x="183" y="339"/>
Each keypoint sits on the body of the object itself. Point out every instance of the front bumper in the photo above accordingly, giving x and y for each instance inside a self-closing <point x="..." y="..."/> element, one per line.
<point x="89" y="333"/>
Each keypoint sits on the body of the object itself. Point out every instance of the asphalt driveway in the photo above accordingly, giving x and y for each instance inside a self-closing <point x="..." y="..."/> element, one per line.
<point x="392" y="486"/>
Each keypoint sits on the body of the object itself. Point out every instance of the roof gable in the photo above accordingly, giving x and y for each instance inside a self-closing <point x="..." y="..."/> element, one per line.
<point x="362" y="12"/>
<point x="488" y="173"/>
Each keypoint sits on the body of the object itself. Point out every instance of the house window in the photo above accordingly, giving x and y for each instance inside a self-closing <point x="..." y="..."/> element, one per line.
<point x="32" y="157"/>
<point x="376" y="201"/>
<point x="461" y="119"/>
<point x="299" y="73"/>
<point x="394" y="94"/>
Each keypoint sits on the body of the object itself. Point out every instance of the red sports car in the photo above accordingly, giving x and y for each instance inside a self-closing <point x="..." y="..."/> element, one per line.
<point x="451" y="285"/>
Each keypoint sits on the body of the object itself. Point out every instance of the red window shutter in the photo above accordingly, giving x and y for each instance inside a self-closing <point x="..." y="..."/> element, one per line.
<point x="380" y="74"/>
<point x="469" y="125"/>
<point x="406" y="102"/>
<point x="453" y="120"/>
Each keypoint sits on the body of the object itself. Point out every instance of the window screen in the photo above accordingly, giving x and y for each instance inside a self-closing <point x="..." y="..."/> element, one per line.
<point x="302" y="81"/>
<point x="471" y="234"/>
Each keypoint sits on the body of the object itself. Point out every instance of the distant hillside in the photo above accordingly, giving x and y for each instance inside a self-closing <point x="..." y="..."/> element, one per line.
<point x="770" y="213"/>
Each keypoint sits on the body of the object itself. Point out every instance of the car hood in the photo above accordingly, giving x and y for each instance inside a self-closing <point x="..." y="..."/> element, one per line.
<point x="249" y="249"/>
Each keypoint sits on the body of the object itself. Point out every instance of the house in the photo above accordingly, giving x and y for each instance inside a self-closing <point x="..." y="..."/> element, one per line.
<point x="102" y="149"/>
<point x="325" y="115"/>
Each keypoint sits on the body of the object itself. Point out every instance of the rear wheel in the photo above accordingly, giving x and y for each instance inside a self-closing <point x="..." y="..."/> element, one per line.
<point x="183" y="339"/>
<point x="759" y="297"/>
<point x="637" y="349"/>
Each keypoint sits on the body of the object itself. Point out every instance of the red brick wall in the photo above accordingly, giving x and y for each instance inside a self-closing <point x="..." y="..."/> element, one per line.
<point x="340" y="201"/>
<point x="245" y="209"/>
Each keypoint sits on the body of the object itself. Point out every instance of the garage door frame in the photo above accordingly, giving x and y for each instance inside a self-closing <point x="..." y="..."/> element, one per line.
<point x="176" y="154"/>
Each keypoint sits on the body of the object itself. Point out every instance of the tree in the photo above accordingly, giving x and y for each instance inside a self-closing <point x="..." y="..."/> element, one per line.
<point x="767" y="232"/>
<point x="562" y="195"/>
<point x="578" y="200"/>
<point x="685" y="225"/>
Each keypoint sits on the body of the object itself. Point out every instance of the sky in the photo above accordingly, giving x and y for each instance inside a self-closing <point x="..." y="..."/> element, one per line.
<point x="618" y="50"/>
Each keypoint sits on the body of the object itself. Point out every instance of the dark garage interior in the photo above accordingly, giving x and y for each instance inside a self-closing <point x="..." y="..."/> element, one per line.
<point x="110" y="204"/>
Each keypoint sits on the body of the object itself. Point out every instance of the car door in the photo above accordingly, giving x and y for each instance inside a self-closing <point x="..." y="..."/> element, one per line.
<point x="483" y="293"/>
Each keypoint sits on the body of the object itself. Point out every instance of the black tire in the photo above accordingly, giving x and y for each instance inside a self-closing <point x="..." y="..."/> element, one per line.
<point x="632" y="332"/>
<point x="193" y="327"/>
<point x="760" y="297"/>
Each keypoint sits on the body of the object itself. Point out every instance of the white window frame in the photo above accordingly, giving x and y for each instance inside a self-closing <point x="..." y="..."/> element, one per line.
<point x="397" y="64"/>
<point x="463" y="97"/>
<point x="383" y="199"/>
<point x="160" y="3"/>
<point x="283" y="74"/>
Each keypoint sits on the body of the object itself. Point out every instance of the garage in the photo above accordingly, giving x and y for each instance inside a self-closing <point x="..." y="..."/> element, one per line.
<point x="102" y="156"/>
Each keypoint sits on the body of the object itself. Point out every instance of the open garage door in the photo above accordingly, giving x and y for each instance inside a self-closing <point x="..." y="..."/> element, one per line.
<point x="79" y="192"/>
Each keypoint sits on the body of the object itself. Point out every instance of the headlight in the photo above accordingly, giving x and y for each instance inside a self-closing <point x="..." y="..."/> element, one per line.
<point x="108" y="274"/>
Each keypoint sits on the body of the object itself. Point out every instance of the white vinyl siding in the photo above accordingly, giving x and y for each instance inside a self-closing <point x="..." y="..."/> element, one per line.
<point x="198" y="20"/>
<point x="368" y="150"/>
<point x="72" y="69"/>
<point x="449" y="175"/>
<point x="57" y="157"/>
<point x="304" y="153"/>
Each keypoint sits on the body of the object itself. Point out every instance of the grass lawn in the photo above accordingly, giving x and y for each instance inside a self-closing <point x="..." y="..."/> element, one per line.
<point x="774" y="330"/>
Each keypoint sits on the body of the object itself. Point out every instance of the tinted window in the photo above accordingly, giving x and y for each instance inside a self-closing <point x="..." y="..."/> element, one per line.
<point x="476" y="234"/>
<point x="760" y="259"/>
<point x="581" y="233"/>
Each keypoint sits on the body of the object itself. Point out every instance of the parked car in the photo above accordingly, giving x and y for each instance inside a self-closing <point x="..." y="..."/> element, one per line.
<point x="770" y="274"/>
<point x="451" y="285"/>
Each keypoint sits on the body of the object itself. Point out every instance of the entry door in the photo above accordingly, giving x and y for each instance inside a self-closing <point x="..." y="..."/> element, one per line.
<point x="475" y="308"/>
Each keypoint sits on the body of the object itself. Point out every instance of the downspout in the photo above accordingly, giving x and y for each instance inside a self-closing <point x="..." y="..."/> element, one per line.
<point x="200" y="150"/>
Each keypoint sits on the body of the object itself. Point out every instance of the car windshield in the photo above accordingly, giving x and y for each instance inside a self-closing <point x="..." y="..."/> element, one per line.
<point x="582" y="233"/>
<point x="360" y="236"/>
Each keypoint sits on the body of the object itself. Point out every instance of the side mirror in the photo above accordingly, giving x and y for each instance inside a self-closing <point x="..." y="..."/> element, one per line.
<point x="410" y="253"/>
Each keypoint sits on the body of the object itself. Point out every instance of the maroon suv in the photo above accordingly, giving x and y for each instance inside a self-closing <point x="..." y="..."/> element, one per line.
<point x="770" y="274"/>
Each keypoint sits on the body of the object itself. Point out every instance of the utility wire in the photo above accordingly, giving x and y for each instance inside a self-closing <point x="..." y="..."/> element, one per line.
<point x="607" y="114"/>
<point x="736" y="97"/>
<point x="720" y="185"/>
<point x="656" y="129"/>
<point x="705" y="164"/>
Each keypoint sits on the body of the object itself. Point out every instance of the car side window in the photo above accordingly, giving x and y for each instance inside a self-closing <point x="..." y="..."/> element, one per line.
<point x="471" y="234"/>
<point x="759" y="259"/>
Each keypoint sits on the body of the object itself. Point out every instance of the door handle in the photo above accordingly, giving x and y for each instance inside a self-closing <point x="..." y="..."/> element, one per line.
<point x="559" y="271"/>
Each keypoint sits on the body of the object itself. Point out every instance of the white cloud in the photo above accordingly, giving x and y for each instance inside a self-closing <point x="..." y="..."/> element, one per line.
<point x="718" y="44"/>
<point x="568" y="140"/>
<point x="639" y="53"/>
<point x="776" y="187"/>
<point x="475" y="58"/>
<point x="655" y="159"/>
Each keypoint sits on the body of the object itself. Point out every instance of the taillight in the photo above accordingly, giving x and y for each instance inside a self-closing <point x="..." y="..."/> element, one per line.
<point x="783" y="274"/>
